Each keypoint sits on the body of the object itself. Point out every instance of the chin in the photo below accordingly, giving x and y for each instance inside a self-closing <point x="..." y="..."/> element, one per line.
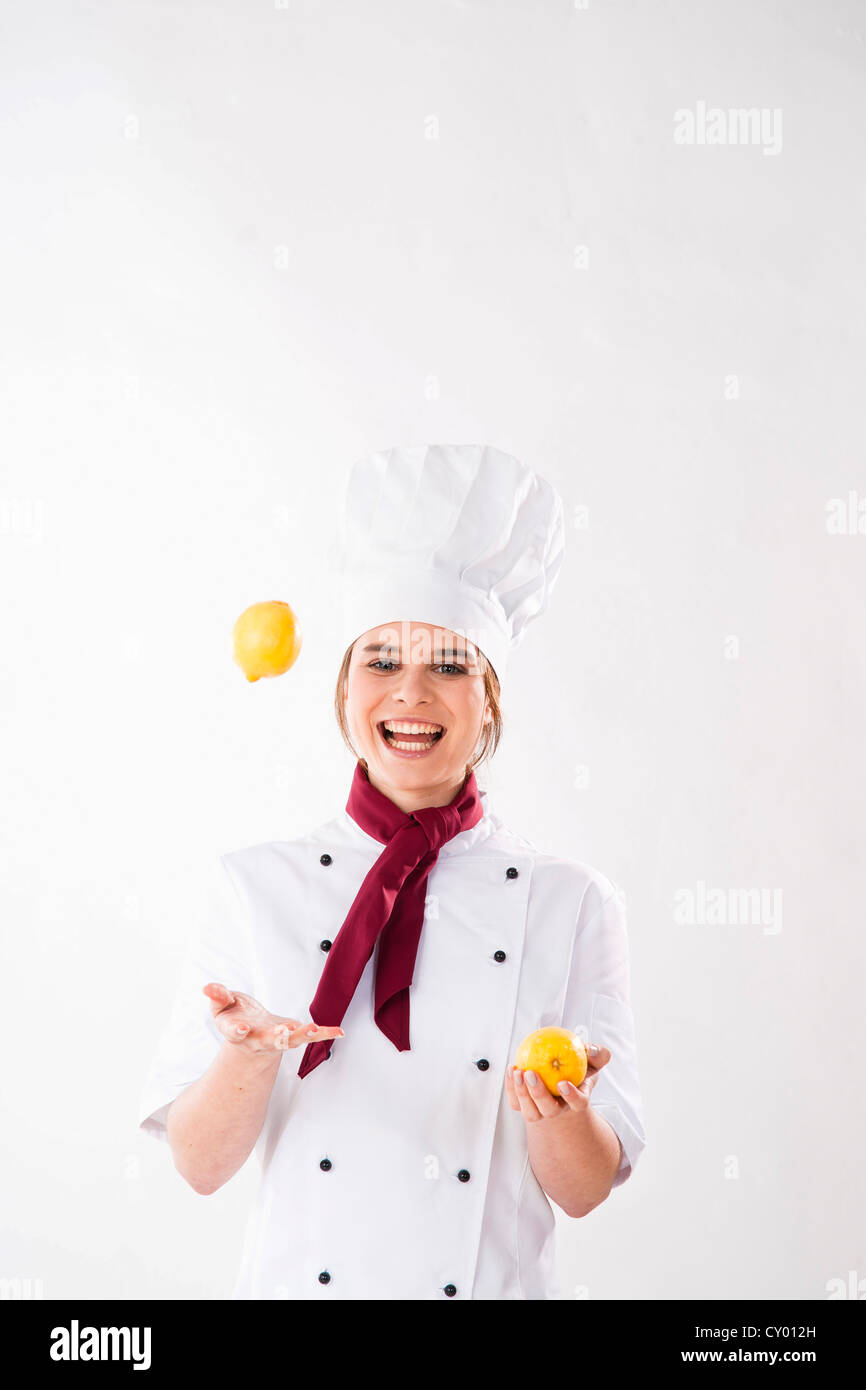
<point x="408" y="771"/>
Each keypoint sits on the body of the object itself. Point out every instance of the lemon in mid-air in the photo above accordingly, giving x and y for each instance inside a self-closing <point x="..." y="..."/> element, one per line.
<point x="266" y="639"/>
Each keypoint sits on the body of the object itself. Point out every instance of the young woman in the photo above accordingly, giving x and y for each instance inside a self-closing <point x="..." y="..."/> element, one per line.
<point x="402" y="1156"/>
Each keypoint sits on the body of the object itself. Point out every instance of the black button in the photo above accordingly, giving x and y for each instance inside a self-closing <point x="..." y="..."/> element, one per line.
<point x="482" y="1064"/>
<point x="326" y="860"/>
<point x="324" y="1277"/>
<point x="464" y="1175"/>
<point x="449" y="1290"/>
<point x="325" y="945"/>
<point x="499" y="955"/>
<point x="325" y="1165"/>
<point x="509" y="873"/>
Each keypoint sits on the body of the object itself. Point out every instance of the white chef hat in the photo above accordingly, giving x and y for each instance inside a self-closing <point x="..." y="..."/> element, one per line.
<point x="463" y="537"/>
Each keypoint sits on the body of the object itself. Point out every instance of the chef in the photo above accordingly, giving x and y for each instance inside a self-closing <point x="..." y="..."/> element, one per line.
<point x="351" y="1008"/>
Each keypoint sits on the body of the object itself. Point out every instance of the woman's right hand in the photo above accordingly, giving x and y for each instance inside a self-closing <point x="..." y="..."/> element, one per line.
<point x="243" y="1021"/>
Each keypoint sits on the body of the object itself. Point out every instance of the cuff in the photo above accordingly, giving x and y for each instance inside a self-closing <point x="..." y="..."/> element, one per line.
<point x="633" y="1143"/>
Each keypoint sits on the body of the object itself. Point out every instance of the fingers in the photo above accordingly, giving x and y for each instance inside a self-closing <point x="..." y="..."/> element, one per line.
<point x="220" y="997"/>
<point x="510" y="1091"/>
<point x="291" y="1034"/>
<point x="596" y="1057"/>
<point x="250" y="1019"/>
<point x="232" y="1029"/>
<point x="533" y="1097"/>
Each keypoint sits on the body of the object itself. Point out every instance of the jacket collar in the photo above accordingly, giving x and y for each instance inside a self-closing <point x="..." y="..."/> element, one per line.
<point x="458" y="844"/>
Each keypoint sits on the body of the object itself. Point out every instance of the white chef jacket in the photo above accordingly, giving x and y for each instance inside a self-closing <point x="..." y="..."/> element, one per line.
<point x="406" y="1175"/>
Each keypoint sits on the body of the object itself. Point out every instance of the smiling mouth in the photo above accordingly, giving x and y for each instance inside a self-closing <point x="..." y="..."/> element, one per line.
<point x="411" y="736"/>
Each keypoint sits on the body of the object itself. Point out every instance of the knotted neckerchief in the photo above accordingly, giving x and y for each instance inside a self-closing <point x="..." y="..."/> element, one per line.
<point x="389" y="907"/>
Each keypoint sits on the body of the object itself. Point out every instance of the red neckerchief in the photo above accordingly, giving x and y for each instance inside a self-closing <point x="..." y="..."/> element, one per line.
<point x="389" y="907"/>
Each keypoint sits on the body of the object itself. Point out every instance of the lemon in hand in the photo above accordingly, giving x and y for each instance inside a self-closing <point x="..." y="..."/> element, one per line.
<point x="267" y="639"/>
<point x="555" y="1054"/>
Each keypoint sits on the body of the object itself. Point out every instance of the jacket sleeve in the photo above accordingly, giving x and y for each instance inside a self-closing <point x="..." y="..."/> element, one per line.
<point x="218" y="950"/>
<point x="597" y="1005"/>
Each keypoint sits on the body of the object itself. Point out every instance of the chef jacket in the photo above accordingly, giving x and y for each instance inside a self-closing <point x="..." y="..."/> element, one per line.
<point x="406" y="1175"/>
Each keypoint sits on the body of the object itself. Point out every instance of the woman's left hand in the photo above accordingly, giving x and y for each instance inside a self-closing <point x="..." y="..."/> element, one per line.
<point x="537" y="1103"/>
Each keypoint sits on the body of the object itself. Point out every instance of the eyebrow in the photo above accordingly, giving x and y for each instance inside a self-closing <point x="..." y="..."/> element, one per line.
<point x="384" y="647"/>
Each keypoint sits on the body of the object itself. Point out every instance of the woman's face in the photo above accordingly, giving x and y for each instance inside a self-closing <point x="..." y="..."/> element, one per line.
<point x="406" y="674"/>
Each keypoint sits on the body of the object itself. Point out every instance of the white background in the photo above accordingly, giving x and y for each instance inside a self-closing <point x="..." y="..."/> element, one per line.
<point x="243" y="245"/>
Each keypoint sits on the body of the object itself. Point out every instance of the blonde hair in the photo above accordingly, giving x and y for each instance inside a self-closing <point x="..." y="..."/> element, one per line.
<point x="489" y="740"/>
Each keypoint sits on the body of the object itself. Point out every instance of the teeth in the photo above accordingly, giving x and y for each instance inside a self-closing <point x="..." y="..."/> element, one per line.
<point x="399" y="726"/>
<point x="395" y="727"/>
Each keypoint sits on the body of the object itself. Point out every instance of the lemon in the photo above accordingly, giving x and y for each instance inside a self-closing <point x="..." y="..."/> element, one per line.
<point x="555" y="1054"/>
<point x="267" y="639"/>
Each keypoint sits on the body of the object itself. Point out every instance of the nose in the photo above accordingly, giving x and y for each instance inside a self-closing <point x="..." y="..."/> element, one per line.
<point x="412" y="685"/>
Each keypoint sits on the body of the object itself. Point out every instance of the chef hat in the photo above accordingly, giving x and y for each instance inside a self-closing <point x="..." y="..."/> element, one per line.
<point x="463" y="537"/>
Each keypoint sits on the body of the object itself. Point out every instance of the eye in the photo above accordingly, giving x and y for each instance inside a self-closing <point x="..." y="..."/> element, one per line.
<point x="382" y="662"/>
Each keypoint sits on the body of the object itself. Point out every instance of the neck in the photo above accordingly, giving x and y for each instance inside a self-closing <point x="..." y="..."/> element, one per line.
<point x="409" y="800"/>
